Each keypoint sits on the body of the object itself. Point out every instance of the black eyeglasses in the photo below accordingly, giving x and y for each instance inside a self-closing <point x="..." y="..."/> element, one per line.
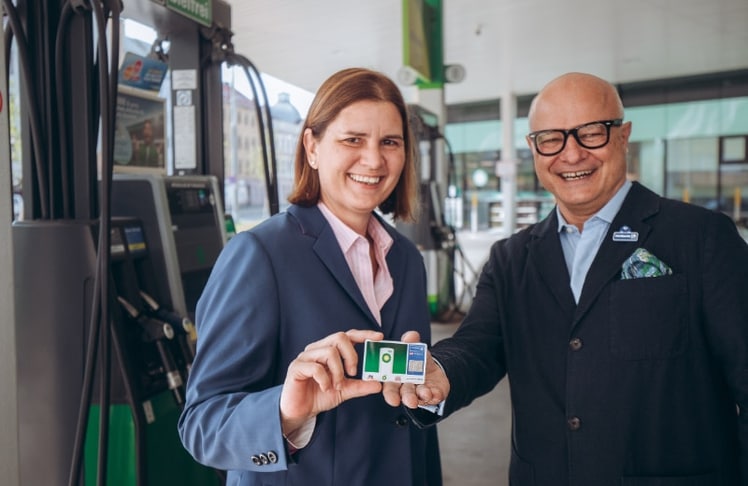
<point x="590" y="135"/>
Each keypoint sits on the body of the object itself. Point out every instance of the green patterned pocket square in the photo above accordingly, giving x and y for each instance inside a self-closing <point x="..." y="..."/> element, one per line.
<point x="643" y="264"/>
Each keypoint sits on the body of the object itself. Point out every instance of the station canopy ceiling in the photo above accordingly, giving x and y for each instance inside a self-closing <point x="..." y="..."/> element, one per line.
<point x="505" y="46"/>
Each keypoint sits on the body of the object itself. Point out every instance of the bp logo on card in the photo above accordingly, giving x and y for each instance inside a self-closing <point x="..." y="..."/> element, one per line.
<point x="394" y="361"/>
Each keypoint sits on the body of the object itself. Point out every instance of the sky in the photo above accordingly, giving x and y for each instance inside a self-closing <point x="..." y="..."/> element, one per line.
<point x="301" y="99"/>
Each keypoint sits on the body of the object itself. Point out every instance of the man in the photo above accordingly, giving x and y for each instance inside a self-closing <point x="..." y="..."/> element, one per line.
<point x="621" y="320"/>
<point x="148" y="154"/>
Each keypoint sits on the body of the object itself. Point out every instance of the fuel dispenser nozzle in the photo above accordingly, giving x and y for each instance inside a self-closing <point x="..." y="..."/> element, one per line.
<point x="159" y="333"/>
<point x="185" y="328"/>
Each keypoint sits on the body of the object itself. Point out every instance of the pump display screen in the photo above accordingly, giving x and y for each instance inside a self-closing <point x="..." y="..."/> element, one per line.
<point x="190" y="200"/>
<point x="192" y="205"/>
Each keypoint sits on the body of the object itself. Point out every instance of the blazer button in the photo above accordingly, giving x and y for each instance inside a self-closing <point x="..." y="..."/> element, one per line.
<point x="256" y="460"/>
<point x="575" y="344"/>
<point x="401" y="421"/>
<point x="574" y="423"/>
<point x="272" y="456"/>
<point x="264" y="459"/>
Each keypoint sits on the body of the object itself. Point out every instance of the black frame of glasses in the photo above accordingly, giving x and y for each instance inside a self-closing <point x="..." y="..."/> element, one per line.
<point x="616" y="122"/>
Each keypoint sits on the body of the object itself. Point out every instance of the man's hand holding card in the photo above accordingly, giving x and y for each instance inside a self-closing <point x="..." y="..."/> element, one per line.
<point x="432" y="391"/>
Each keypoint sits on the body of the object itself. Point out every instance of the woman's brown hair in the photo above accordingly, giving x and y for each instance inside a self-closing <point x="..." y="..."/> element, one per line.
<point x="338" y="92"/>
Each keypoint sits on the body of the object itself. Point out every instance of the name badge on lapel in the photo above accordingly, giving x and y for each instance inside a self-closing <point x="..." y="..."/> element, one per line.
<point x="625" y="234"/>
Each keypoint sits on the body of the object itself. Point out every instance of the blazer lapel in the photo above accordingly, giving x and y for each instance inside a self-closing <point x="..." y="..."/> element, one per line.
<point x="327" y="248"/>
<point x="396" y="265"/>
<point x="640" y="204"/>
<point x="544" y="250"/>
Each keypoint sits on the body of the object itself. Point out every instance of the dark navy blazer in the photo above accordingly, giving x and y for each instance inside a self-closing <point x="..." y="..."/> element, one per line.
<point x="637" y="384"/>
<point x="273" y="290"/>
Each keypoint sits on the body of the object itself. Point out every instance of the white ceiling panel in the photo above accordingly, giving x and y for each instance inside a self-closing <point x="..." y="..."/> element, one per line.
<point x="505" y="45"/>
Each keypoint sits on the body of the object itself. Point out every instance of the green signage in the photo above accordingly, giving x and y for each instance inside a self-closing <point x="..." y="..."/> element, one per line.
<point x="200" y="11"/>
<point x="422" y="41"/>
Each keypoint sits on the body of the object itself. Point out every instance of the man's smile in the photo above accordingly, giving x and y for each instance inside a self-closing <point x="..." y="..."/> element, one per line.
<point x="575" y="176"/>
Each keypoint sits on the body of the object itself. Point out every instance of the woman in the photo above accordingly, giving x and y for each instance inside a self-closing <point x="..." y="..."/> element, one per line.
<point x="274" y="394"/>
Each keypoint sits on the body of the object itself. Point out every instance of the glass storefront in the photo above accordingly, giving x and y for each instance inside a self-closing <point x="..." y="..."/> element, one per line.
<point x="696" y="151"/>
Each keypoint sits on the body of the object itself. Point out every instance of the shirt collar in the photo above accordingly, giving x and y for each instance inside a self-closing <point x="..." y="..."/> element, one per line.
<point x="347" y="237"/>
<point x="607" y="212"/>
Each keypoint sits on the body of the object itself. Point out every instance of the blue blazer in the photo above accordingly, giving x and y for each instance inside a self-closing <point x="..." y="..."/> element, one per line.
<point x="638" y="383"/>
<point x="273" y="290"/>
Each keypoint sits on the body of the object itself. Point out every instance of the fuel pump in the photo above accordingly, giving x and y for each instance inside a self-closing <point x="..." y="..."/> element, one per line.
<point x="151" y="365"/>
<point x="430" y="233"/>
<point x="100" y="387"/>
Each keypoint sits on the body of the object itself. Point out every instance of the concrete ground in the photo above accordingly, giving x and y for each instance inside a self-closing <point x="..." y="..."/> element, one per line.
<point x="475" y="441"/>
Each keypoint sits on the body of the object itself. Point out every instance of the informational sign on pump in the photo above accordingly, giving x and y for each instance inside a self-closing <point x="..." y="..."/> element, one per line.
<point x="184" y="84"/>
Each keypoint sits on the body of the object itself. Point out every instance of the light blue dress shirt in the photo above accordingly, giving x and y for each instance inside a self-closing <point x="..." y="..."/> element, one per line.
<point x="580" y="248"/>
<point x="579" y="251"/>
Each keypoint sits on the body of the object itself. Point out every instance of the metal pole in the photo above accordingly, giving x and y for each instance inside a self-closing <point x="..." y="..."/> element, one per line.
<point x="507" y="167"/>
<point x="9" y="459"/>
